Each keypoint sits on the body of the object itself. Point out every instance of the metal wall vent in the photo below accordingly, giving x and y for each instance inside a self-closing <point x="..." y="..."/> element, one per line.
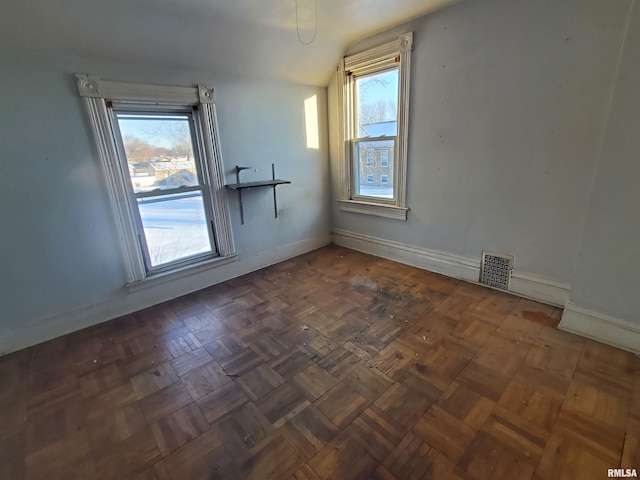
<point x="495" y="270"/>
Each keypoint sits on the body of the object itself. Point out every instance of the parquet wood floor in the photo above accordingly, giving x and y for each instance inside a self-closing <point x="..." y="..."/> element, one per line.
<point x="333" y="365"/>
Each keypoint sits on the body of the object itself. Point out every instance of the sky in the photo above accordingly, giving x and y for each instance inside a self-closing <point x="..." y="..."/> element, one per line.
<point x="379" y="86"/>
<point x="373" y="90"/>
<point x="158" y="130"/>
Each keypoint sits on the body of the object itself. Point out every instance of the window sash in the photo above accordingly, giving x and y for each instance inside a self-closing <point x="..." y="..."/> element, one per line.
<point x="354" y="128"/>
<point x="181" y="261"/>
<point x="133" y="196"/>
<point x="147" y="111"/>
<point x="355" y="173"/>
<point x="354" y="96"/>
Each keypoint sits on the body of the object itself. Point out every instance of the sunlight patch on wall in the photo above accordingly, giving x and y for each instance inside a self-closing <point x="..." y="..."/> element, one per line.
<point x="311" y="122"/>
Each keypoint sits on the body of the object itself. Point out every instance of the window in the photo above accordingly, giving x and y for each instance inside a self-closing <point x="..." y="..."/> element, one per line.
<point x="375" y="106"/>
<point x="370" y="178"/>
<point x="376" y="117"/>
<point x="384" y="179"/>
<point x="369" y="157"/>
<point x="160" y="153"/>
<point x="384" y="158"/>
<point x="171" y="209"/>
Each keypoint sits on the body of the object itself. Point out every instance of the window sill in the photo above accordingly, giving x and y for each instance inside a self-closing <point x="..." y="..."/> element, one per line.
<point x="377" y="209"/>
<point x="178" y="273"/>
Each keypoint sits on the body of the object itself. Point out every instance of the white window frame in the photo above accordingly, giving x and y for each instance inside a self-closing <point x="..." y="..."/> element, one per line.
<point x="96" y="93"/>
<point x="370" y="178"/>
<point x="376" y="59"/>
<point x="384" y="179"/>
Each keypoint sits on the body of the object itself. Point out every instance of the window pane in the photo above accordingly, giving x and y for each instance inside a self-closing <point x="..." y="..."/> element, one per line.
<point x="175" y="227"/>
<point x="159" y="151"/>
<point x="374" y="178"/>
<point x="377" y="104"/>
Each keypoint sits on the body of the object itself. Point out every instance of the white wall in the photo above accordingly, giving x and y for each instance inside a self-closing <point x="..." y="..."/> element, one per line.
<point x="509" y="100"/>
<point x="606" y="283"/>
<point x="508" y="152"/>
<point x="60" y="263"/>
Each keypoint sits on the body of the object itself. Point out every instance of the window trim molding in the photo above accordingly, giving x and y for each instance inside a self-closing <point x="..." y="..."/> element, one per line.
<point x="377" y="209"/>
<point x="180" y="272"/>
<point x="95" y="93"/>
<point x="360" y="63"/>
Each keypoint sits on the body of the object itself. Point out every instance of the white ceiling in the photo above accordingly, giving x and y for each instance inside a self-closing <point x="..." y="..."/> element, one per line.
<point x="240" y="37"/>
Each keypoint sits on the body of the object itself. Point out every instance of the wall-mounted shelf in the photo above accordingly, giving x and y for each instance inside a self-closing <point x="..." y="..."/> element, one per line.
<point x="263" y="183"/>
<point x="239" y="187"/>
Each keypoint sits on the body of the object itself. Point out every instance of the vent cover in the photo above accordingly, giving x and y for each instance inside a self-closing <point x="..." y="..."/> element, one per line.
<point x="495" y="270"/>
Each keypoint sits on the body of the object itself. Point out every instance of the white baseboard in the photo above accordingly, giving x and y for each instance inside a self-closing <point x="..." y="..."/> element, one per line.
<point x="37" y="331"/>
<point x="539" y="288"/>
<point x="524" y="284"/>
<point x="432" y="260"/>
<point x="601" y="327"/>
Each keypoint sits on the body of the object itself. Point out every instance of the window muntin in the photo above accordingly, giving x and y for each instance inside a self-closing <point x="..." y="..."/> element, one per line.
<point x="384" y="179"/>
<point x="169" y="197"/>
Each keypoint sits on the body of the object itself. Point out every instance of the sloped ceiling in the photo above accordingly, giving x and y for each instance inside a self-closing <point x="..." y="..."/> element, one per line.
<point x="239" y="37"/>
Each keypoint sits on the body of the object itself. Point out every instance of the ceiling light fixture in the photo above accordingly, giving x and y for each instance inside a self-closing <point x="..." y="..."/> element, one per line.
<point x="315" y="29"/>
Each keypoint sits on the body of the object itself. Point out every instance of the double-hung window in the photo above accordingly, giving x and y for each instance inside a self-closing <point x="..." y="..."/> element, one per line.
<point x="168" y="192"/>
<point x="160" y="154"/>
<point x="375" y="114"/>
